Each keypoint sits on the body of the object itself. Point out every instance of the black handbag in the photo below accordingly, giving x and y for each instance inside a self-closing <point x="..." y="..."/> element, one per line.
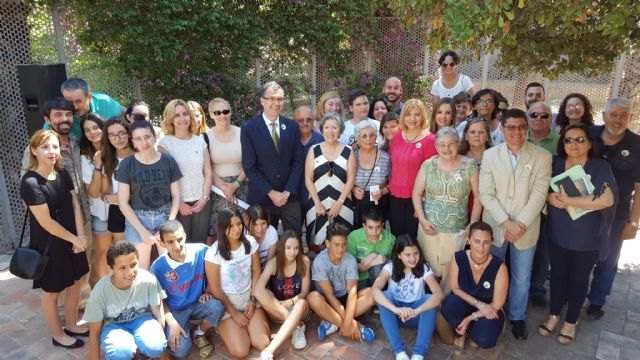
<point x="27" y="263"/>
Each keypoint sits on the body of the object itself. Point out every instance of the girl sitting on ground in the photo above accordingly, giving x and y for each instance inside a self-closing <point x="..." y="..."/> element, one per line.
<point x="282" y="290"/>
<point x="405" y="302"/>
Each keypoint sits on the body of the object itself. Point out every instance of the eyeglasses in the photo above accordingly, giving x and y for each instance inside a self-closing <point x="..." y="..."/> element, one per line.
<point x="223" y="112"/>
<point x="119" y="134"/>
<point x="452" y="64"/>
<point x="578" y="140"/>
<point x="274" y="99"/>
<point x="446" y="145"/>
<point x="535" y="115"/>
<point x="331" y="165"/>
<point x="484" y="102"/>
<point x="575" y="106"/>
<point x="515" y="128"/>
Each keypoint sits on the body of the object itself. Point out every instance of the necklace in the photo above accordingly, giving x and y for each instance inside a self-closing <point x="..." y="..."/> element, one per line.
<point x="478" y="265"/>
<point x="406" y="136"/>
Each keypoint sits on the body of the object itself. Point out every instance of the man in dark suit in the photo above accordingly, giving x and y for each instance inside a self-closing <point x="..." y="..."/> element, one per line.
<point x="273" y="159"/>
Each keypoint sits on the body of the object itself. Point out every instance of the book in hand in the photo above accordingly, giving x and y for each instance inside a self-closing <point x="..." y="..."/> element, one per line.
<point x="575" y="182"/>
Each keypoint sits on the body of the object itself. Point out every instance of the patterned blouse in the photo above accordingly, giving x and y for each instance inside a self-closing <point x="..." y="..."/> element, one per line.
<point x="447" y="195"/>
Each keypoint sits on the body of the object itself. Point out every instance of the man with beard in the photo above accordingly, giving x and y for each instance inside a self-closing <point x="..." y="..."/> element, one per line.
<point x="58" y="116"/>
<point x="393" y="90"/>
<point x="620" y="147"/>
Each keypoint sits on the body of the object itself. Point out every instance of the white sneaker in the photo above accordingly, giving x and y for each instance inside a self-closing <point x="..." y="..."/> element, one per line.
<point x="265" y="355"/>
<point x="402" y="356"/>
<point x="417" y="357"/>
<point x="298" y="340"/>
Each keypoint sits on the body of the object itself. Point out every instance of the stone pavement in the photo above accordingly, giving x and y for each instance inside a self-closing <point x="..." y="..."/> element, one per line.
<point x="23" y="334"/>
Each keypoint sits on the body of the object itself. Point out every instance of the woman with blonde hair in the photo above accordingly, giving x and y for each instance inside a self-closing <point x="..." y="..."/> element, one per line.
<point x="410" y="147"/>
<point x="57" y="228"/>
<point x="329" y="102"/>
<point x="189" y="149"/>
<point x="225" y="152"/>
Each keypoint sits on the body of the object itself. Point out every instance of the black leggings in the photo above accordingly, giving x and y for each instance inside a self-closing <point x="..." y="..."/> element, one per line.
<point x="401" y="217"/>
<point x="570" y="272"/>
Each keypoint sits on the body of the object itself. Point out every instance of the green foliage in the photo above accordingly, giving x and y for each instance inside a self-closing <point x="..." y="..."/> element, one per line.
<point x="550" y="37"/>
<point x="200" y="49"/>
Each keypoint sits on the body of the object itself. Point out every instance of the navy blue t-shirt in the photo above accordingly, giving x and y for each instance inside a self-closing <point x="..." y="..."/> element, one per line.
<point x="624" y="159"/>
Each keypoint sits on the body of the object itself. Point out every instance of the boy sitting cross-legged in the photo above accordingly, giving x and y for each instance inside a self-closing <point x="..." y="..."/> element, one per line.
<point x="181" y="274"/>
<point x="337" y="300"/>
<point x="118" y="309"/>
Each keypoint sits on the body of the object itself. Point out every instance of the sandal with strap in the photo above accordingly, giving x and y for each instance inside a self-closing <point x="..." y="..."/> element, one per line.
<point x="545" y="329"/>
<point x="566" y="339"/>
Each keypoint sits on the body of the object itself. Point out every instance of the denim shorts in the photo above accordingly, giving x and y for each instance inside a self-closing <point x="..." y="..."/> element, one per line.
<point x="150" y="219"/>
<point x="99" y="226"/>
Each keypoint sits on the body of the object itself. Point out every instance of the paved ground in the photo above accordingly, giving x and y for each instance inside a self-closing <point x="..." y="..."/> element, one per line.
<point x="23" y="334"/>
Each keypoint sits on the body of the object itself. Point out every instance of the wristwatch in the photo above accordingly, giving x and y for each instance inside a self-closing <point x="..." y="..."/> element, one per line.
<point x="205" y="197"/>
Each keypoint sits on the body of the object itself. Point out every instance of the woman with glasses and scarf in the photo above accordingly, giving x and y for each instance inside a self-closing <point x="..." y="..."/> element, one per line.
<point x="330" y="173"/>
<point x="450" y="82"/>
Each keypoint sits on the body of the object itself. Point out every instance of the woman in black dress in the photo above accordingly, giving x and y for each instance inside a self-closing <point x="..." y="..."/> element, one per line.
<point x="56" y="217"/>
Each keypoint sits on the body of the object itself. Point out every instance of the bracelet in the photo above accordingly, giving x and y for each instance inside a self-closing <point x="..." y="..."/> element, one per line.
<point x="205" y="197"/>
<point x="252" y="299"/>
<point x="474" y="315"/>
<point x="237" y="181"/>
<point x="97" y="169"/>
<point x="475" y="303"/>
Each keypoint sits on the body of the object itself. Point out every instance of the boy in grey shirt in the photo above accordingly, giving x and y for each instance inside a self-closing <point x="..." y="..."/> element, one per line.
<point x="123" y="310"/>
<point x="337" y="300"/>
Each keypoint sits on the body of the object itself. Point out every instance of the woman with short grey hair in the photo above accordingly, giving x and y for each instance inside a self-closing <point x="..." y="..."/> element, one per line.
<point x="330" y="171"/>
<point x="373" y="166"/>
<point x="441" y="200"/>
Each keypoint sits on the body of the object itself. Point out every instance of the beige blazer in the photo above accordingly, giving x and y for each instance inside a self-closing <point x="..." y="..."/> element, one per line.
<point x="519" y="194"/>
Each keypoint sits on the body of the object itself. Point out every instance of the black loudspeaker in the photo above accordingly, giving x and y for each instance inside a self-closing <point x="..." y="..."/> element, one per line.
<point x="39" y="83"/>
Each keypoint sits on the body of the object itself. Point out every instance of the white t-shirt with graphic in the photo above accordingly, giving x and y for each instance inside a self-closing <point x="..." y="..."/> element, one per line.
<point x="410" y="288"/>
<point x="235" y="273"/>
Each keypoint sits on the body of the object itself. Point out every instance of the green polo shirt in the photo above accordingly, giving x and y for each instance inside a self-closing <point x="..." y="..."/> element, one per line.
<point x="101" y="104"/>
<point x="360" y="247"/>
<point x="549" y="143"/>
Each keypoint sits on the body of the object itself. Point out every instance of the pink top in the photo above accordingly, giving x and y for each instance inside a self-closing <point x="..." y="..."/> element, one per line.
<point x="406" y="159"/>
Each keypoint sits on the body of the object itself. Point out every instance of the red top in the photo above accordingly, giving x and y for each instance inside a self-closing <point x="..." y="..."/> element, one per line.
<point x="406" y="159"/>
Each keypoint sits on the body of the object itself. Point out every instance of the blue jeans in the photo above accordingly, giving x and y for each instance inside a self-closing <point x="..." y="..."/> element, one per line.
<point x="521" y="262"/>
<point x="540" y="268"/>
<point x="425" y="322"/>
<point x="211" y="311"/>
<point x="605" y="271"/>
<point x="150" y="219"/>
<point x="121" y="340"/>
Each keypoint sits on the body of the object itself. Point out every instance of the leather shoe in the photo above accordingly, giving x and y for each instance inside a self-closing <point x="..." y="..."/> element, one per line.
<point x="75" y="345"/>
<point x="538" y="301"/>
<point x="519" y="329"/>
<point x="595" y="312"/>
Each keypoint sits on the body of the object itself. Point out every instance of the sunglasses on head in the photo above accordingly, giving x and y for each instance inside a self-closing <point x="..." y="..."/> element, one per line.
<point x="331" y="165"/>
<point x="535" y="115"/>
<point x="579" y="140"/>
<point x="223" y="112"/>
